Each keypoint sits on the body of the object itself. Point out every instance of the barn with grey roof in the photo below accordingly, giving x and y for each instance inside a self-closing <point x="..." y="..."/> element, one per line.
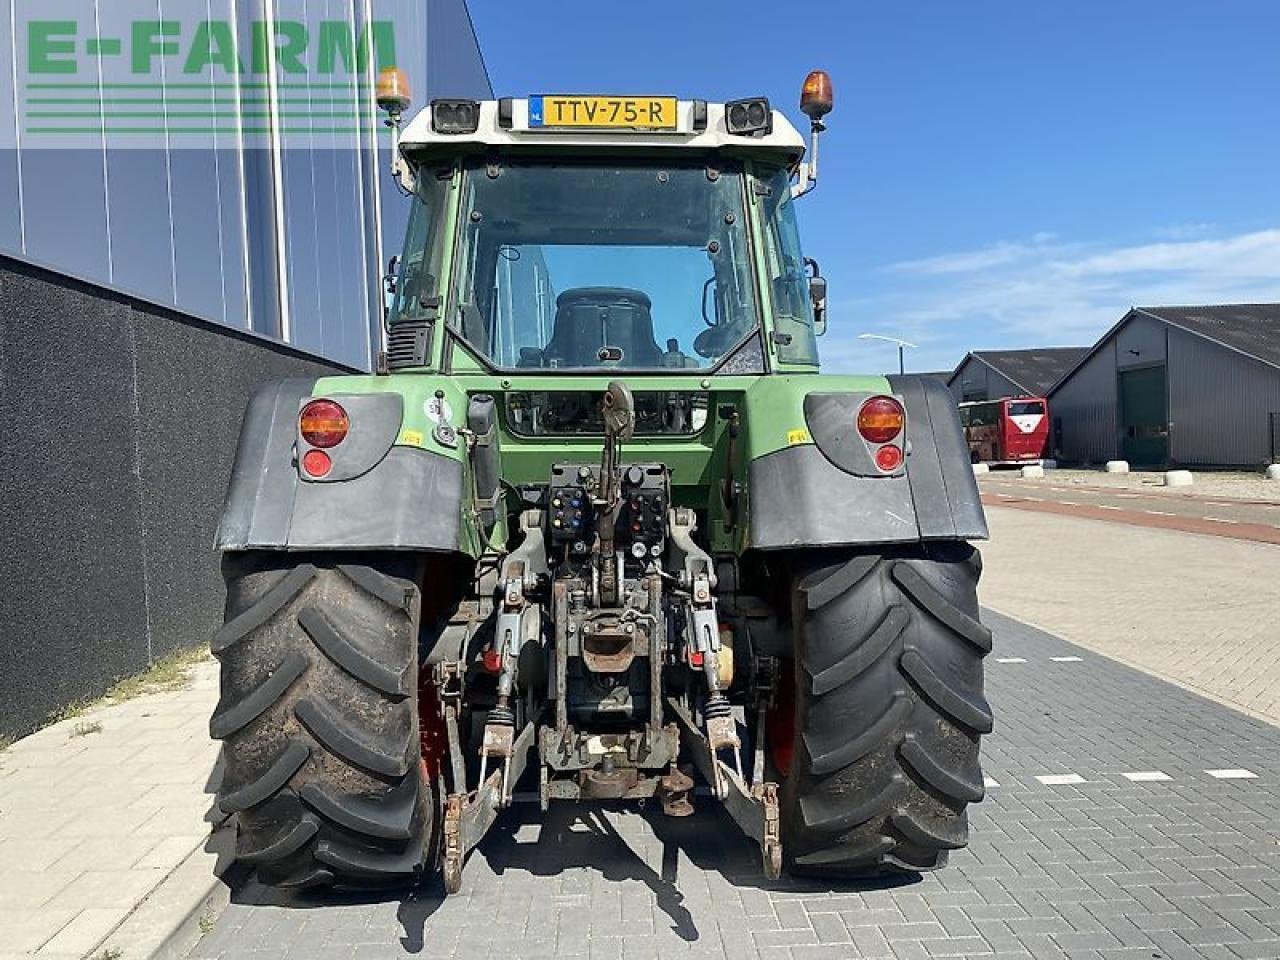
<point x="993" y="374"/>
<point x="1186" y="386"/>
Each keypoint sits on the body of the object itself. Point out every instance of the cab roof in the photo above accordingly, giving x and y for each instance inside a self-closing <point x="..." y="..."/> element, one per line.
<point x="700" y="125"/>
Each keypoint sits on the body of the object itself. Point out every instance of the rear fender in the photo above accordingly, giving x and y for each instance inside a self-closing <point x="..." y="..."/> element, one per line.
<point x="828" y="492"/>
<point x="379" y="495"/>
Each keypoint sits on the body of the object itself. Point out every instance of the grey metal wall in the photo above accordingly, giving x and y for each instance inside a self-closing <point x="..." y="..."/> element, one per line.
<point x="120" y="418"/>
<point x="1140" y="342"/>
<point x="1219" y="402"/>
<point x="212" y="221"/>
<point x="1086" y="404"/>
<point x="983" y="383"/>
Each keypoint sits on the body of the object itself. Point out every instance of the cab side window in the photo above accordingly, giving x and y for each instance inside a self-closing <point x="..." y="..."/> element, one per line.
<point x="788" y="280"/>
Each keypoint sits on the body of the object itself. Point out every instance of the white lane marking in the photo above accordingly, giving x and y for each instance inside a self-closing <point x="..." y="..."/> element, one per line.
<point x="1069" y="503"/>
<point x="1061" y="779"/>
<point x="1217" y="503"/>
<point x="1159" y="513"/>
<point x="1107" y="506"/>
<point x="990" y="782"/>
<point x="1236" y="773"/>
<point x="1036" y="499"/>
<point x="1011" y="659"/>
<point x="1067" y="659"/>
<point x="1129" y="496"/>
<point x="1146" y="776"/>
<point x="1221" y="520"/>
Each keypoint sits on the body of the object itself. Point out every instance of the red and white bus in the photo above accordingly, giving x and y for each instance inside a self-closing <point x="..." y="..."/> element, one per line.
<point x="1014" y="430"/>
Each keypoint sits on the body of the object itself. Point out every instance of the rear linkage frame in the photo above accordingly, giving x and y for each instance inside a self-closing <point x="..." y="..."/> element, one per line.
<point x="504" y="752"/>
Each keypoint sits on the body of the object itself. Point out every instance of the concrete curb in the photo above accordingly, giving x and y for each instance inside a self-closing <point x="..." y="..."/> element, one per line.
<point x="172" y="918"/>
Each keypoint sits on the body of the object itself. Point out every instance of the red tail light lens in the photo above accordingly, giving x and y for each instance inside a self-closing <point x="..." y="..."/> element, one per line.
<point x="889" y="458"/>
<point x="316" y="463"/>
<point x="323" y="423"/>
<point x="881" y="419"/>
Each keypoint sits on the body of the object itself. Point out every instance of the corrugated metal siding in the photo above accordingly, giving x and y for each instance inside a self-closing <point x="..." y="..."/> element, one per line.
<point x="1219" y="403"/>
<point x="1086" y="403"/>
<point x="1140" y="342"/>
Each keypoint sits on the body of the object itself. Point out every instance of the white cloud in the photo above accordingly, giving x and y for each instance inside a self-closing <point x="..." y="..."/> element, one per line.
<point x="1247" y="255"/>
<point x="1046" y="292"/>
<point x="966" y="261"/>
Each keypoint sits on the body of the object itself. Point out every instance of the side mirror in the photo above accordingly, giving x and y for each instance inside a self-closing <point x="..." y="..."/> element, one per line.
<point x="818" y="297"/>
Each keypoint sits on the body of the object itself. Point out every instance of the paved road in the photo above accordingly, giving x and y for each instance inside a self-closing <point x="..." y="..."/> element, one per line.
<point x="1188" y="512"/>
<point x="1125" y="818"/>
<point x="1200" y="611"/>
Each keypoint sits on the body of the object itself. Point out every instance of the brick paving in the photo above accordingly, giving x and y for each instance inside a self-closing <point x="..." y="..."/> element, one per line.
<point x="1201" y="611"/>
<point x="1207" y="526"/>
<point x="1173" y="863"/>
<point x="98" y="810"/>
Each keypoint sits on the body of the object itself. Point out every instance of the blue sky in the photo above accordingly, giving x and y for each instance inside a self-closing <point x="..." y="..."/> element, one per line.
<point x="997" y="174"/>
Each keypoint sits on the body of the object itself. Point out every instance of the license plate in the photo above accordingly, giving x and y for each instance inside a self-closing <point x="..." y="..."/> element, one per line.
<point x="617" y="113"/>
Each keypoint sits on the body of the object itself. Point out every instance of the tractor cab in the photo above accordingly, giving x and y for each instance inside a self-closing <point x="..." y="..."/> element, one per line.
<point x="600" y="234"/>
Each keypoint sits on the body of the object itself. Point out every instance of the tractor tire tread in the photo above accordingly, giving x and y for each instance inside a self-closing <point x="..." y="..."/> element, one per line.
<point x="236" y="629"/>
<point x="863" y="656"/>
<point x="928" y="597"/>
<point x="889" y="709"/>
<point x="974" y="713"/>
<point x="391" y="680"/>
<point x="822" y="589"/>
<point x="318" y="720"/>
<point x="366" y="863"/>
<point x="951" y="783"/>
<point x="949" y="836"/>
<point x="341" y="737"/>
<point x="272" y="780"/>
<point x="390" y="819"/>
<point x="851" y="751"/>
<point x="232" y="717"/>
<point x="286" y="846"/>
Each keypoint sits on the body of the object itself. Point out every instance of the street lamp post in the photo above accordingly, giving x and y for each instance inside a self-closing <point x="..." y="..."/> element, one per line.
<point x="902" y="345"/>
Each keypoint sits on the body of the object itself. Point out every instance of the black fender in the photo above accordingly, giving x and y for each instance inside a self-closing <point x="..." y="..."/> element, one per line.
<point x="829" y="493"/>
<point x="377" y="496"/>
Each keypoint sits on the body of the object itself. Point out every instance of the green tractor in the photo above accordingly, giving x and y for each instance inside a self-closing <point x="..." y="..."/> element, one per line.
<point x="597" y="525"/>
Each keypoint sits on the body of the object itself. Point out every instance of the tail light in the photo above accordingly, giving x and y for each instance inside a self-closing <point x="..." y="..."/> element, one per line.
<point x="889" y="457"/>
<point x="323" y="423"/>
<point x="316" y="463"/>
<point x="880" y="419"/>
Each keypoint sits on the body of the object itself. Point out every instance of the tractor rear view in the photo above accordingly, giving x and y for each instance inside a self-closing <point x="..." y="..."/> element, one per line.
<point x="598" y="526"/>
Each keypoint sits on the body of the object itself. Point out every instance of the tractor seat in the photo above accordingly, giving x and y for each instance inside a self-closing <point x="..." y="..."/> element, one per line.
<point x="588" y="318"/>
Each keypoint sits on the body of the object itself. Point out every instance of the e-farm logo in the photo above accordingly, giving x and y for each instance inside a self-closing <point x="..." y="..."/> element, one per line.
<point x="134" y="81"/>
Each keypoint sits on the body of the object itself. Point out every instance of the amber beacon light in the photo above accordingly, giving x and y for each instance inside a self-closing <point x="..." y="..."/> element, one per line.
<point x="815" y="96"/>
<point x="815" y="103"/>
<point x="392" y="91"/>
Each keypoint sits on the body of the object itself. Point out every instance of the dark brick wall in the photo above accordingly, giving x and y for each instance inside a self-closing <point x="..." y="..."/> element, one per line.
<point x="118" y="421"/>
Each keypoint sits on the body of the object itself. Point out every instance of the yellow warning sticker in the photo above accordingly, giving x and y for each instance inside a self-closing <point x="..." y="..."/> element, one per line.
<point x="799" y="435"/>
<point x="411" y="438"/>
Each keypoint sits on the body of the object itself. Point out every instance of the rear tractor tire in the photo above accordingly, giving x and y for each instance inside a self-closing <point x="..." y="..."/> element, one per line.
<point x="886" y="710"/>
<point x="319" y="720"/>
